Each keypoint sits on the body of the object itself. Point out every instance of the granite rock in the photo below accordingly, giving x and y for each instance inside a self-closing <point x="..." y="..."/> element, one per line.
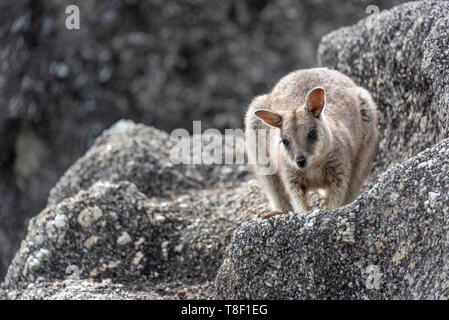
<point x="391" y="243"/>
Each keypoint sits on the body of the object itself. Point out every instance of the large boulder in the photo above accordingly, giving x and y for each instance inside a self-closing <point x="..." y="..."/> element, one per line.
<point x="163" y="63"/>
<point x="143" y="155"/>
<point x="393" y="241"/>
<point x="105" y="223"/>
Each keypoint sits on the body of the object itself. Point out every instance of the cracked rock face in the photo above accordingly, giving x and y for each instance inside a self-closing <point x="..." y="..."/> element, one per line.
<point x="393" y="241"/>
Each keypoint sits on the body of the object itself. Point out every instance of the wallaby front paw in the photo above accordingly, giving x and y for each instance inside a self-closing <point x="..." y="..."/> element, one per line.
<point x="272" y="214"/>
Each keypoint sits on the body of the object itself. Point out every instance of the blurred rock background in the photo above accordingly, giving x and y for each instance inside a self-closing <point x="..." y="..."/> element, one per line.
<point x="163" y="63"/>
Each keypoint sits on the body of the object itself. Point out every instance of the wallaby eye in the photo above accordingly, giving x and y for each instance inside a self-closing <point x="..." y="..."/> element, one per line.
<point x="285" y="142"/>
<point x="312" y="134"/>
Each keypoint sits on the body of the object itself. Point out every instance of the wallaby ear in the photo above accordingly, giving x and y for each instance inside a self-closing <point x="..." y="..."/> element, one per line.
<point x="270" y="118"/>
<point x="315" y="101"/>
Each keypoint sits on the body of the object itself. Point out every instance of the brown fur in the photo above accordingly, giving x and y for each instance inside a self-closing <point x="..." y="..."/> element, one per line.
<point x="338" y="159"/>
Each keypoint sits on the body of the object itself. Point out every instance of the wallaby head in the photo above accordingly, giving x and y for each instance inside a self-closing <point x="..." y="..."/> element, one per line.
<point x="304" y="133"/>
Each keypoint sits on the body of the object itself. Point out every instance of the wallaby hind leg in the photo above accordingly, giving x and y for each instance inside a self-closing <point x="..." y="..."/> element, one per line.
<point x="369" y="117"/>
<point x="359" y="175"/>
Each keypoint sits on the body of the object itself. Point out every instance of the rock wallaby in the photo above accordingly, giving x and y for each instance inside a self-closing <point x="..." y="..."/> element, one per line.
<point x="319" y="131"/>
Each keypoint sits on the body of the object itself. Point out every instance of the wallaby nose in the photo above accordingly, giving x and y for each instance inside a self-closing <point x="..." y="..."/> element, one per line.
<point x="301" y="161"/>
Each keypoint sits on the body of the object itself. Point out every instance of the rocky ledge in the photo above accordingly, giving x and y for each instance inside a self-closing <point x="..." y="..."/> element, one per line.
<point x="124" y="223"/>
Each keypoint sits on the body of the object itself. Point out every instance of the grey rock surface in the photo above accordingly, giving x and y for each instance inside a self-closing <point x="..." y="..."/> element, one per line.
<point x="78" y="290"/>
<point x="161" y="62"/>
<point x="143" y="156"/>
<point x="393" y="241"/>
<point x="105" y="224"/>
